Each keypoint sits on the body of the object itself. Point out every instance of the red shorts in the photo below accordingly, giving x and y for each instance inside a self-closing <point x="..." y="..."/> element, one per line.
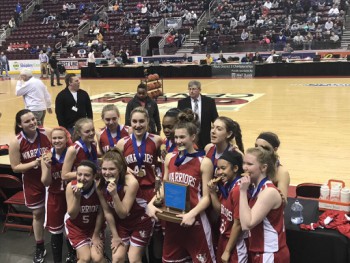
<point x="34" y="191"/>
<point x="139" y="235"/>
<point x="56" y="208"/>
<point x="189" y="244"/>
<point x="281" y="256"/>
<point x="78" y="237"/>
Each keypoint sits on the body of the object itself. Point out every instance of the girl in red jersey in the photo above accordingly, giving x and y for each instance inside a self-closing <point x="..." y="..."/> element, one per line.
<point x="232" y="247"/>
<point x="223" y="131"/>
<point x="84" y="218"/>
<point x="191" y="240"/>
<point x="84" y="148"/>
<point x="25" y="153"/>
<point x="56" y="205"/>
<point x="124" y="208"/>
<point x="113" y="131"/>
<point x="263" y="213"/>
<point x="140" y="150"/>
<point x="270" y="140"/>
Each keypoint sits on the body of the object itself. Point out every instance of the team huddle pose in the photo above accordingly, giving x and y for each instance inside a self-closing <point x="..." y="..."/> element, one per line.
<point x="236" y="197"/>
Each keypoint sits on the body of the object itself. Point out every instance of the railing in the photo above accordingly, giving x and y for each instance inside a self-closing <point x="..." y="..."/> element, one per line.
<point x="161" y="44"/>
<point x="157" y="30"/>
<point x="29" y="9"/>
<point x="82" y="29"/>
<point x="212" y="4"/>
<point x="254" y="47"/>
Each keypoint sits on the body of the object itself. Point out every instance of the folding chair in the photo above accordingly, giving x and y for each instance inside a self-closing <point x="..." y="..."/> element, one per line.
<point x="14" y="218"/>
<point x="308" y="190"/>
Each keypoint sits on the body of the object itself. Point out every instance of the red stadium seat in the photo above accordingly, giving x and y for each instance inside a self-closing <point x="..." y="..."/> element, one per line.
<point x="14" y="217"/>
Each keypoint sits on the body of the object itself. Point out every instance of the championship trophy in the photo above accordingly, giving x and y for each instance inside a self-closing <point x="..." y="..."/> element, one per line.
<point x="175" y="202"/>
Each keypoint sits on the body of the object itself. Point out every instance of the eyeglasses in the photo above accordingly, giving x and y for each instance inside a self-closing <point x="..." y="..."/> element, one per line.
<point x="193" y="89"/>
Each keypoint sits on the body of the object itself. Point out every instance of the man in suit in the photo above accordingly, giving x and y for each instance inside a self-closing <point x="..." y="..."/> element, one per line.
<point x="204" y="106"/>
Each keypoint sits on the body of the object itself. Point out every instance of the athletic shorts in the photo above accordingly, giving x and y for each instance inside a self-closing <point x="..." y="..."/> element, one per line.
<point x="56" y="208"/>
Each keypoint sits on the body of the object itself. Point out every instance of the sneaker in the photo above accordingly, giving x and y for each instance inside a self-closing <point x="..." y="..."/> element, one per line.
<point x="71" y="258"/>
<point x="53" y="85"/>
<point x="59" y="84"/>
<point x="39" y="256"/>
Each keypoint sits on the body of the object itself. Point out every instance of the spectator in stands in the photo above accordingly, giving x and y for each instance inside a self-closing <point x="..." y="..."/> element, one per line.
<point x="81" y="8"/>
<point x="144" y="9"/>
<point x="34" y="50"/>
<point x="295" y="27"/>
<point x="260" y="22"/>
<point x="70" y="44"/>
<point x="334" y="38"/>
<point x="241" y="18"/>
<point x="328" y="25"/>
<point x="244" y="35"/>
<point x="203" y="36"/>
<point x="298" y="40"/>
<point x="107" y="54"/>
<point x="281" y="41"/>
<point x="169" y="8"/>
<point x="193" y="16"/>
<point x="94" y="19"/>
<point x="155" y="13"/>
<point x="178" y="40"/>
<point x="233" y="23"/>
<point x="18" y="8"/>
<point x="12" y="23"/>
<point x="9" y="48"/>
<point x="84" y="19"/>
<point x="288" y="48"/>
<point x="319" y="36"/>
<point x="308" y="41"/>
<point x="334" y="11"/>
<point x="268" y="4"/>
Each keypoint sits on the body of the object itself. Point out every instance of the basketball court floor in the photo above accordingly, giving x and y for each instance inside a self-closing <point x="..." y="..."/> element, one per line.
<point x="310" y="115"/>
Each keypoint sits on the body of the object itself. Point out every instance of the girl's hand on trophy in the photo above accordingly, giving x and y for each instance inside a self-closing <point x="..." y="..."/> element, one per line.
<point x="187" y="219"/>
<point x="152" y="211"/>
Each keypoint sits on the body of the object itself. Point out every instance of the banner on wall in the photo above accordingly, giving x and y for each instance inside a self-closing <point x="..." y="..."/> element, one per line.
<point x="18" y="65"/>
<point x="34" y="64"/>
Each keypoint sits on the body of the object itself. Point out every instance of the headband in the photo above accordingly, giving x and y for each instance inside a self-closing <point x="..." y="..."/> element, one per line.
<point x="271" y="139"/>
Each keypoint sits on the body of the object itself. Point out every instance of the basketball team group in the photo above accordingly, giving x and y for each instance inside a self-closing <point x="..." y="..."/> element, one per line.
<point x="100" y="192"/>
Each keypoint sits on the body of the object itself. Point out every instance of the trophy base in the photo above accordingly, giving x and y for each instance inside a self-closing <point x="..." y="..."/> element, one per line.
<point x="170" y="215"/>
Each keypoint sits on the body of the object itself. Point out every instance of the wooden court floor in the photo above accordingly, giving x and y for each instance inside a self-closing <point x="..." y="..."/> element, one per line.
<point x="310" y="115"/>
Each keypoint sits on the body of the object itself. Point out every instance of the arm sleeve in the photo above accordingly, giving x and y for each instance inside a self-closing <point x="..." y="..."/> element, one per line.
<point x="214" y="111"/>
<point x="89" y="112"/>
<point x="47" y="97"/>
<point x="157" y="118"/>
<point x="59" y="110"/>
<point x="127" y="114"/>
<point x="21" y="88"/>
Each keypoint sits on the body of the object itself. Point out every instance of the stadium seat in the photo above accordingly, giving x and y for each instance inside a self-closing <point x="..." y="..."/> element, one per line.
<point x="14" y="217"/>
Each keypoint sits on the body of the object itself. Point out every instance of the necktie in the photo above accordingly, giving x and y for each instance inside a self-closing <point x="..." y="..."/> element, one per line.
<point x="196" y="106"/>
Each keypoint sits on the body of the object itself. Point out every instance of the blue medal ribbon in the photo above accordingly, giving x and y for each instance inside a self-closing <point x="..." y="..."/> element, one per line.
<point x="139" y="156"/>
<point x="93" y="156"/>
<point x="171" y="148"/>
<point x="110" y="138"/>
<point x="62" y="156"/>
<point x="179" y="160"/>
<point x="213" y="156"/>
<point x="255" y="191"/>
<point x="226" y="189"/>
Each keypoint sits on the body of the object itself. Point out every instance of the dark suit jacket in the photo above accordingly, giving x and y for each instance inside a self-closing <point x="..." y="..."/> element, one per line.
<point x="209" y="114"/>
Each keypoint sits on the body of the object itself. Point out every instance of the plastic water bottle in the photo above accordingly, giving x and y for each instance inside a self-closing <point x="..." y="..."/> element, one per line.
<point x="297" y="213"/>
